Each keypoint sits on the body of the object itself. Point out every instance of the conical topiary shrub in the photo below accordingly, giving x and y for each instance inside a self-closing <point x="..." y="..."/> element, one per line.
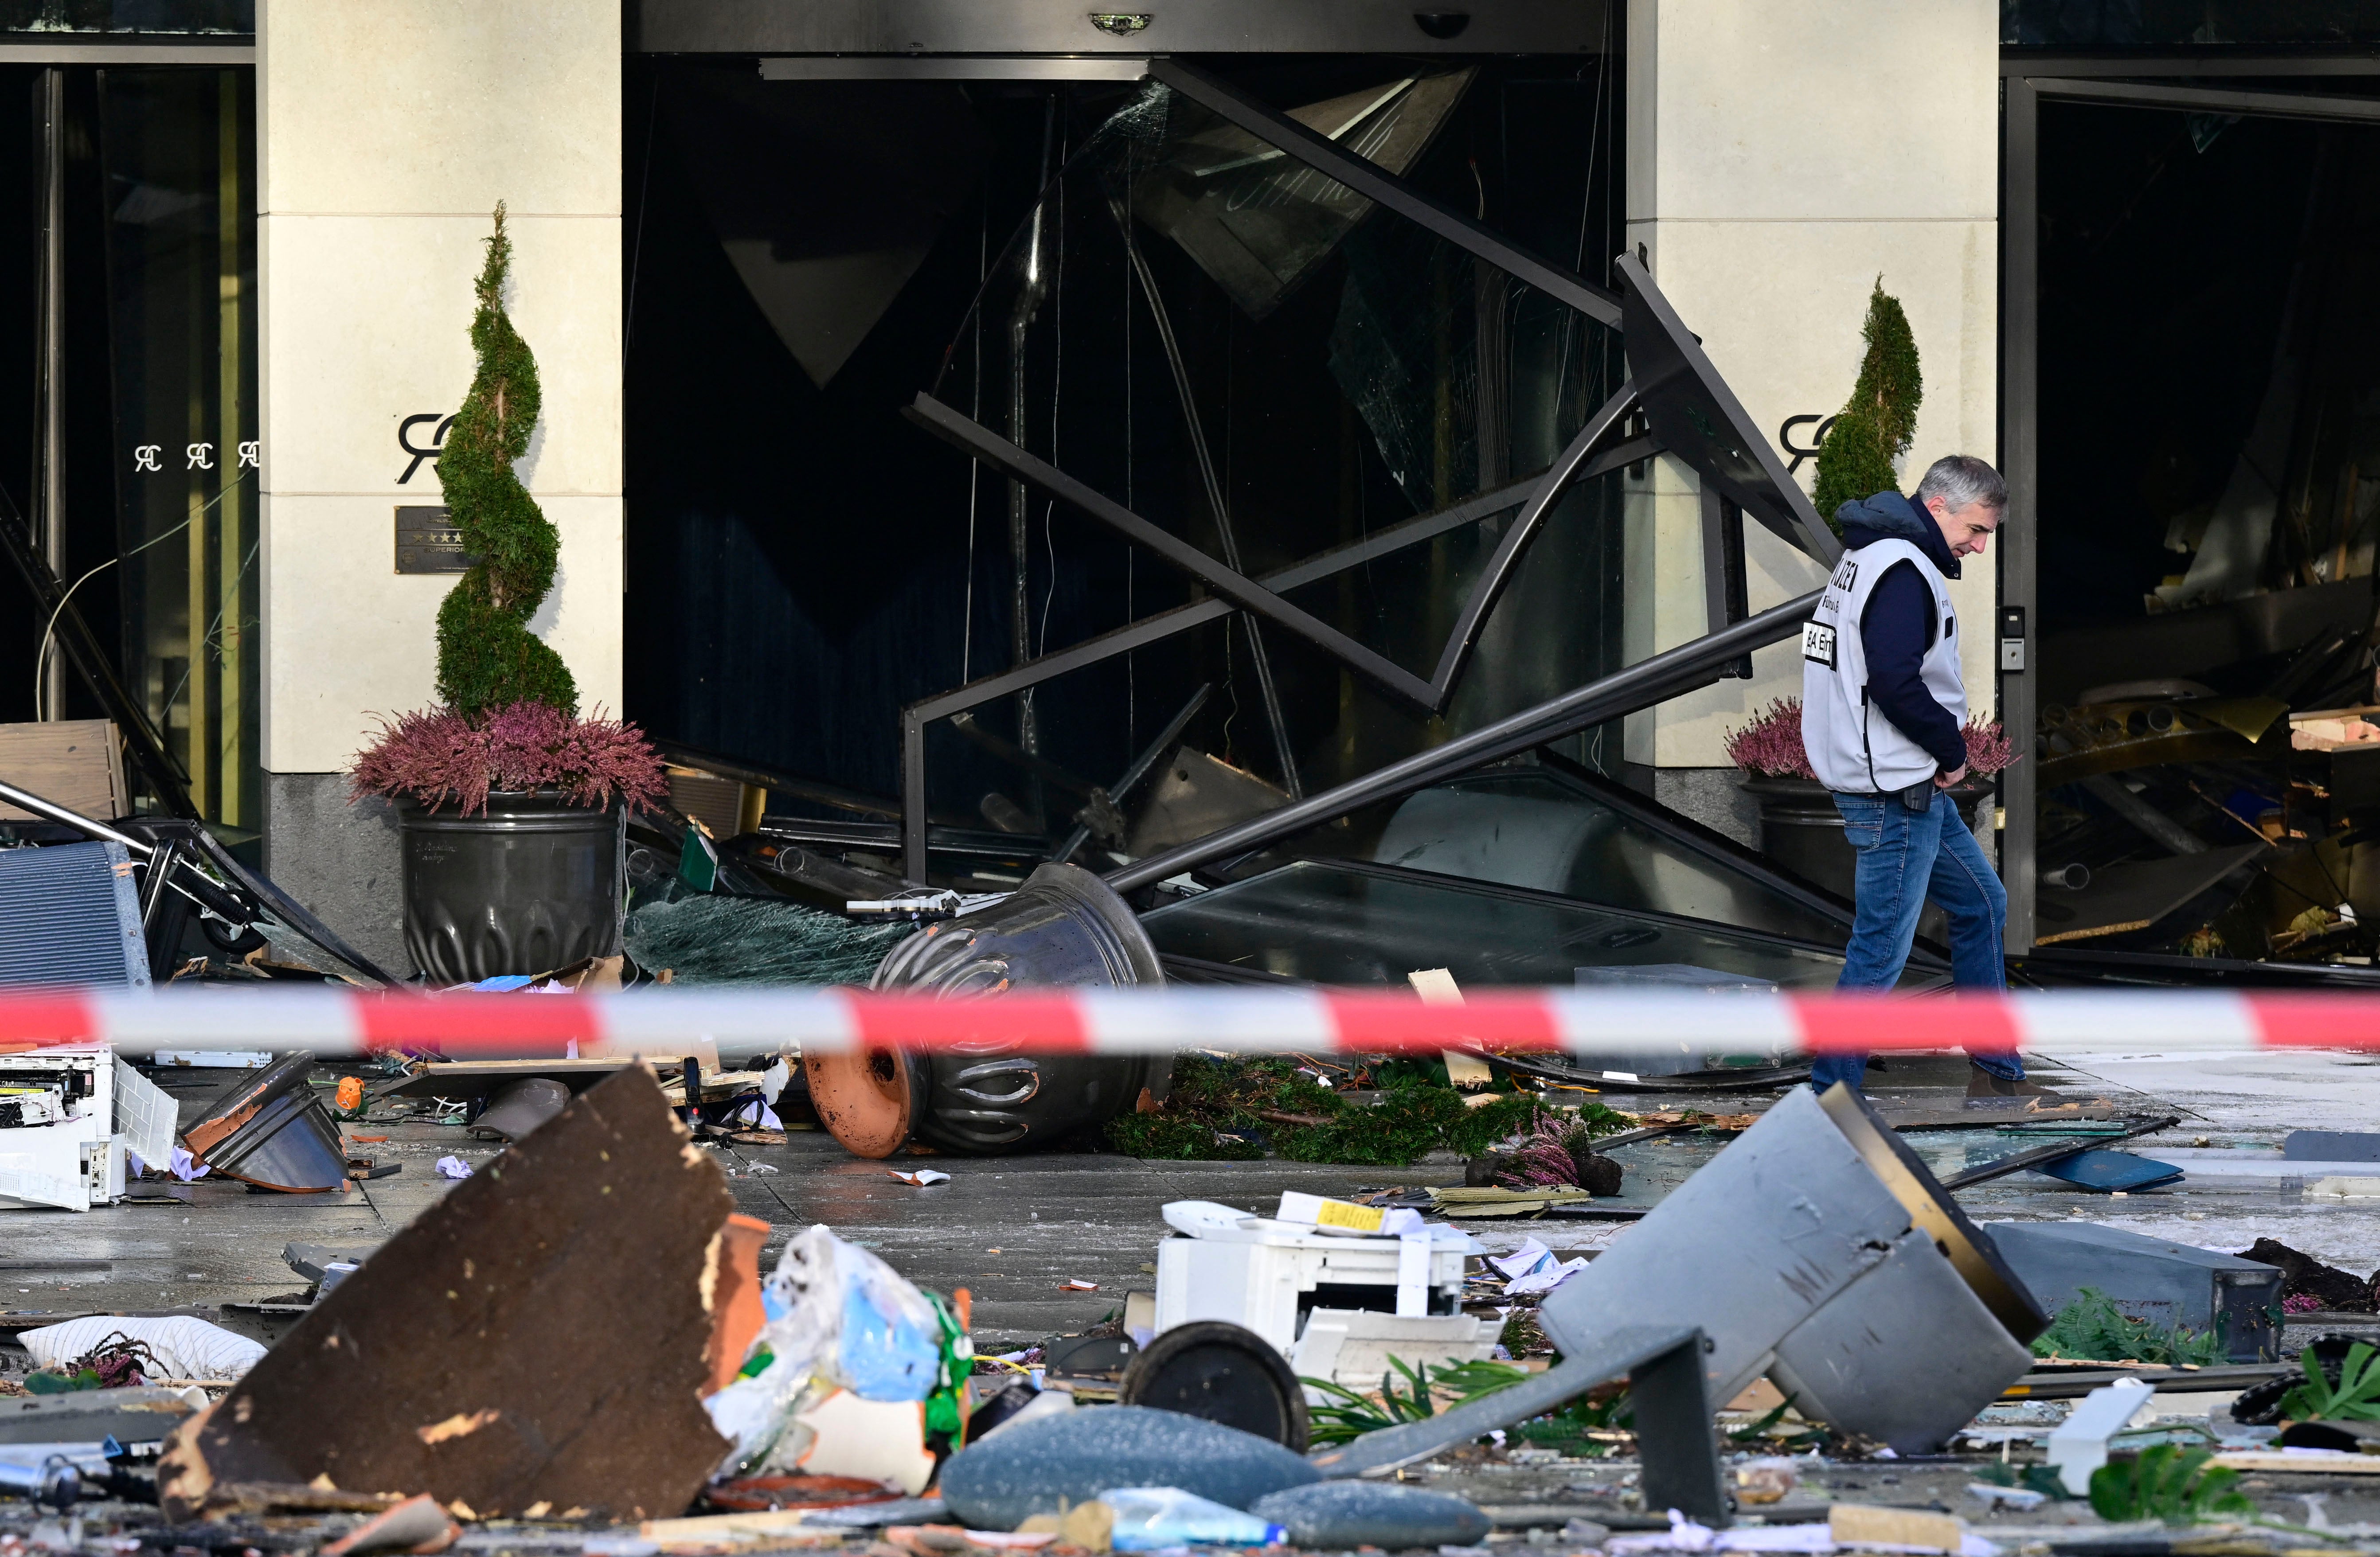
<point x="1875" y="424"/>
<point x="486" y="657"/>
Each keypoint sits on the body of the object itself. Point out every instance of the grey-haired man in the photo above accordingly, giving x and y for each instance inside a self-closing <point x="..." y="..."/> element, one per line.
<point x="1883" y="707"/>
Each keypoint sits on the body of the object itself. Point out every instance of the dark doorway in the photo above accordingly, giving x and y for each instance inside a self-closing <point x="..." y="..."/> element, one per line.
<point x="2207" y="416"/>
<point x="802" y="561"/>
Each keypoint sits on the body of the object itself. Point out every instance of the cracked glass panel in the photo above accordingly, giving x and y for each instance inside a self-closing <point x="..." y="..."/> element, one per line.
<point x="1341" y="923"/>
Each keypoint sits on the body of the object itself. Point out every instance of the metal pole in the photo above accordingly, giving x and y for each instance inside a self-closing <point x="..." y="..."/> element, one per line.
<point x="2021" y="462"/>
<point x="1267" y="692"/>
<point x="232" y="647"/>
<point x="48" y="361"/>
<point x="1639" y="686"/>
<point x="1020" y="538"/>
<point x="25" y="800"/>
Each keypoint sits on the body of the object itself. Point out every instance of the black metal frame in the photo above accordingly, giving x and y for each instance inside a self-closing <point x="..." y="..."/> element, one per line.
<point x="1677" y="390"/>
<point x="2028" y="78"/>
<point x="1656" y="679"/>
<point x="1725" y="590"/>
<point x="1182" y="619"/>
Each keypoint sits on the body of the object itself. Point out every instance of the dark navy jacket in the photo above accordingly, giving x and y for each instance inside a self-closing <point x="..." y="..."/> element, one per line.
<point x="1899" y="625"/>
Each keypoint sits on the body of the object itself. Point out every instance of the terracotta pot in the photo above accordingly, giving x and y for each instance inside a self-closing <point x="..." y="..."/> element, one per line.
<point x="736" y="1314"/>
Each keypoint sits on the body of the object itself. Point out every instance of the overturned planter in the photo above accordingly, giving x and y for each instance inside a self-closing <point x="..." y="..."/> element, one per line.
<point x="531" y="884"/>
<point x="1819" y="1250"/>
<point x="274" y="1132"/>
<point x="1065" y="928"/>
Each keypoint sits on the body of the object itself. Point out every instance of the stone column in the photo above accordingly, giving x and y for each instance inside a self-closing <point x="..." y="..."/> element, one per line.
<point x="387" y="131"/>
<point x="1780" y="158"/>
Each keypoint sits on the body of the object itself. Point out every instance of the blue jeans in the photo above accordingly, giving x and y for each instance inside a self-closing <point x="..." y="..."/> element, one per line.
<point x="1906" y="857"/>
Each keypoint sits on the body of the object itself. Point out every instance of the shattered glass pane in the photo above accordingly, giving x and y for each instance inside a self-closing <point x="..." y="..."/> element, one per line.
<point x="1341" y="923"/>
<point x="1534" y="828"/>
<point x="1252" y="356"/>
<point x="1258" y="220"/>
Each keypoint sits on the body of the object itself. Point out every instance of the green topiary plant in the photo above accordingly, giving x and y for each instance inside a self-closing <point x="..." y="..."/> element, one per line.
<point x="486" y="657"/>
<point x="1875" y="424"/>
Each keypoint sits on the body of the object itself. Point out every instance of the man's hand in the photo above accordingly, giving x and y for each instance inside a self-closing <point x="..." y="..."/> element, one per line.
<point x="1947" y="780"/>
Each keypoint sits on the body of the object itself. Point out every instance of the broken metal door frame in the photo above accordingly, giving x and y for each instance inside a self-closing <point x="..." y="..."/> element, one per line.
<point x="1734" y="459"/>
<point x="1640" y="685"/>
<point x="1182" y="619"/>
<point x="2148" y="81"/>
<point x="1537" y="495"/>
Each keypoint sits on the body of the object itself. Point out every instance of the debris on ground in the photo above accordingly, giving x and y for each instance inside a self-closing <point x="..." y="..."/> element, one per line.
<point x="599" y="1229"/>
<point x="1393" y="1114"/>
<point x="131" y="1351"/>
<point x="2303" y="1276"/>
<point x="715" y="1399"/>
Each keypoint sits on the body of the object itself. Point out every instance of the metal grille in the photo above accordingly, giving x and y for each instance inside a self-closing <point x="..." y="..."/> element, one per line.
<point x="68" y="916"/>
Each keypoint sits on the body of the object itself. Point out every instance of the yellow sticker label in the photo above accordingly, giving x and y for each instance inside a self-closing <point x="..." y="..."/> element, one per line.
<point x="1339" y="1214"/>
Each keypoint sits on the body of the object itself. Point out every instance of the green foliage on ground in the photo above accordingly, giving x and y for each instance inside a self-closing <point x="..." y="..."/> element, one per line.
<point x="1567" y="1428"/>
<point x="2167" y="1482"/>
<point x="486" y="657"/>
<point x="2093" y="1329"/>
<point x="2042" y="1479"/>
<point x="2355" y="1398"/>
<point x="57" y="1381"/>
<point x="1215" y="1104"/>
<point x="1875" y="424"/>
<point x="1346" y="1413"/>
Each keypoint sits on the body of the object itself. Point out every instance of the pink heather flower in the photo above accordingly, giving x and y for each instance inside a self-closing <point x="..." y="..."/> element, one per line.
<point x="1988" y="747"/>
<point x="437" y="754"/>
<point x="1548" y="1157"/>
<point x="1771" y="746"/>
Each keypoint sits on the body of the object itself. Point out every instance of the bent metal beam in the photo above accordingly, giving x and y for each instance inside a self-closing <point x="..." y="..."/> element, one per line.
<point x="1640" y="685"/>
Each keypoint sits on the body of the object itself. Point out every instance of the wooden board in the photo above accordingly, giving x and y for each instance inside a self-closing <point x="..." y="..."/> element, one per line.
<point x="76" y="763"/>
<point x="2269" y="1460"/>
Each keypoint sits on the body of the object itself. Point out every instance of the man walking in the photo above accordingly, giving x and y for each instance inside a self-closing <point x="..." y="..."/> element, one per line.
<point x="1882" y="711"/>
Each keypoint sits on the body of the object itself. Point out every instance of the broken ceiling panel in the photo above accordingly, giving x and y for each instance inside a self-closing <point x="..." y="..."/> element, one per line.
<point x="1256" y="220"/>
<point x="535" y="1341"/>
<point x="825" y="195"/>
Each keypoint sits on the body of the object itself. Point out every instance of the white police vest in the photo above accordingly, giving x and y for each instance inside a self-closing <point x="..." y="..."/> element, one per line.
<point x="1853" y="747"/>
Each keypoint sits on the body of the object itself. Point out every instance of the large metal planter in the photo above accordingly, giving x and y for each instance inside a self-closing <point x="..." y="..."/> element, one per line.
<point x="272" y="1132"/>
<point x="1063" y="928"/>
<point x="1818" y="1249"/>
<point x="531" y="884"/>
<point x="1800" y="829"/>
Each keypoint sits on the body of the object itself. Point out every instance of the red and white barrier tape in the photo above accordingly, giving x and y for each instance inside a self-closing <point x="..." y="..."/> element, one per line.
<point x="741" y="1023"/>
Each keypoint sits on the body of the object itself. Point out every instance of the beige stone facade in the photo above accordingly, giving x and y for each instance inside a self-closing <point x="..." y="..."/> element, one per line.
<point x="1779" y="159"/>
<point x="388" y="130"/>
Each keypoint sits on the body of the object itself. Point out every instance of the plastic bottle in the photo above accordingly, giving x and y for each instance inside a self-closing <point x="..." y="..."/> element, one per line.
<point x="1149" y="1517"/>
